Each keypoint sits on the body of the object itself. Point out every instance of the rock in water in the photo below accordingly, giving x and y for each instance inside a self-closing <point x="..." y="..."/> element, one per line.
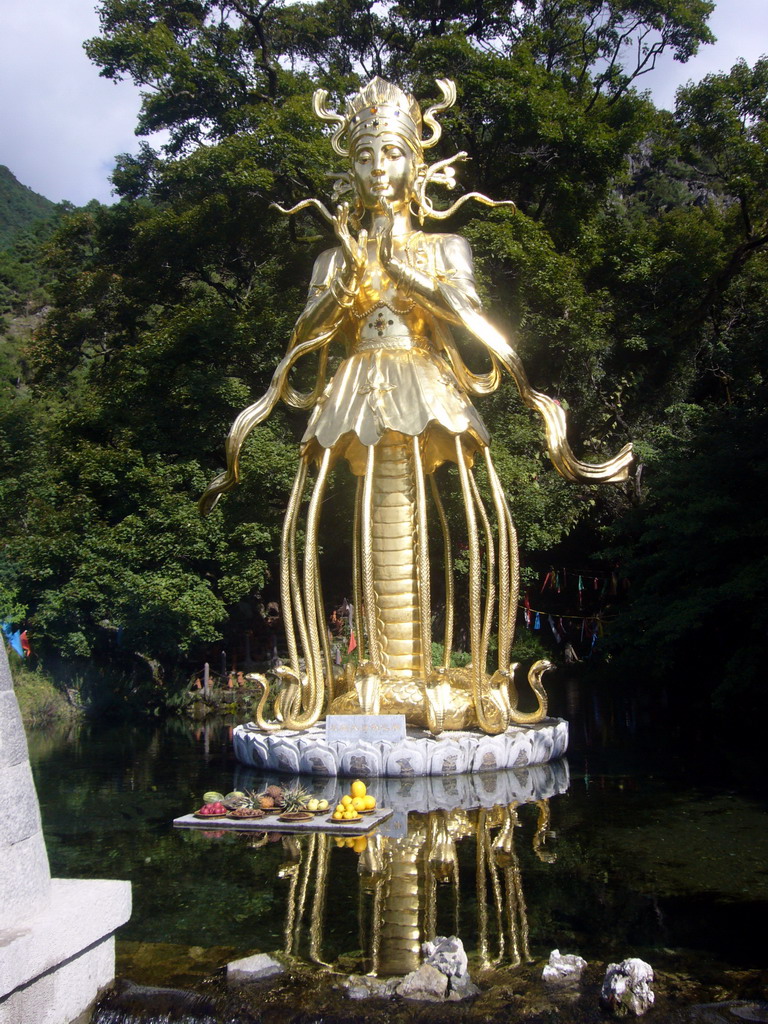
<point x="447" y="955"/>
<point x="462" y="987"/>
<point x="426" y="983"/>
<point x="254" y="968"/>
<point x="627" y="988"/>
<point x="751" y="1011"/>
<point x="127" y="1001"/>
<point x="563" y="969"/>
<point x="364" y="986"/>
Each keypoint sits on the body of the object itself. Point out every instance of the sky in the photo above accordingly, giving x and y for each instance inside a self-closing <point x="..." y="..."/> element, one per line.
<point x="61" y="125"/>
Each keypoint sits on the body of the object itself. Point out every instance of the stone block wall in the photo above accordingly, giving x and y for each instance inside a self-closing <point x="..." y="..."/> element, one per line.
<point x="25" y="878"/>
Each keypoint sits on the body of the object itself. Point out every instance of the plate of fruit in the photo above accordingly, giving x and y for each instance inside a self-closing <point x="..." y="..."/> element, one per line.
<point x="216" y="809"/>
<point x="245" y="813"/>
<point x="295" y="816"/>
<point x="355" y="804"/>
<point x="271" y="801"/>
<point x="318" y="806"/>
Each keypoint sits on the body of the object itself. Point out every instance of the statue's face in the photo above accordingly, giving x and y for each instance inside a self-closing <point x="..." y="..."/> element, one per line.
<point x="384" y="167"/>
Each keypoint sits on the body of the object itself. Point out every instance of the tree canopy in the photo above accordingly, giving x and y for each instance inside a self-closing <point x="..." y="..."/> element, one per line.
<point x="633" y="279"/>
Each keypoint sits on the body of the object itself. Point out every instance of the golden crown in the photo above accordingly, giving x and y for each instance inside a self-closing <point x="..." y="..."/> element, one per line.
<point x="383" y="107"/>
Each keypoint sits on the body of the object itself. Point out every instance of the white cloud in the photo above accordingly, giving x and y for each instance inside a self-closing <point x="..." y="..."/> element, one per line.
<point x="61" y="125"/>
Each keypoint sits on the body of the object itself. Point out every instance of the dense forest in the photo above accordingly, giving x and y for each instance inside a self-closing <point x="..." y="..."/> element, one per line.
<point x="633" y="277"/>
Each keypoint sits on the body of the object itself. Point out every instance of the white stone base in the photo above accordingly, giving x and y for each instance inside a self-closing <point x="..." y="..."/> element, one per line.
<point x="420" y="753"/>
<point x="53" y="964"/>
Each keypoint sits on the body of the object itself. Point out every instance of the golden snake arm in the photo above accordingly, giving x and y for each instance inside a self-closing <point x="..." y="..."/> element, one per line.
<point x="509" y="571"/>
<point x="494" y="723"/>
<point x="289" y="578"/>
<point x="313" y="655"/>
<point x="449" y="587"/>
<point x="490" y="566"/>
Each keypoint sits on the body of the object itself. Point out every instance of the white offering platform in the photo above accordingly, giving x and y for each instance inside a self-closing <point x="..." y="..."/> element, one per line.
<point x="271" y="823"/>
<point x="393" y="753"/>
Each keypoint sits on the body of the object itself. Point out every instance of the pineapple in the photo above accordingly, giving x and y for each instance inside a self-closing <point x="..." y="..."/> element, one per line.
<point x="296" y="799"/>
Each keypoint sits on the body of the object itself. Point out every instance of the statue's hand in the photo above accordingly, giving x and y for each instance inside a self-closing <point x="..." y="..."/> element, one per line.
<point x="355" y="251"/>
<point x="385" y="236"/>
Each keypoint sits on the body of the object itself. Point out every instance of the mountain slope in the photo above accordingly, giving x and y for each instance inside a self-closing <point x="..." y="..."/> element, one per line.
<point x="20" y="207"/>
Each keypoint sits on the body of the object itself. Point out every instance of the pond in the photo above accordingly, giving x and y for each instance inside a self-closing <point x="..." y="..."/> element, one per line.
<point x="637" y="845"/>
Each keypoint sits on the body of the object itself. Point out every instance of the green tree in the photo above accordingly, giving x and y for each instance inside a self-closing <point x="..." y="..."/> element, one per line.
<point x="696" y="546"/>
<point x="127" y="394"/>
<point x="630" y="278"/>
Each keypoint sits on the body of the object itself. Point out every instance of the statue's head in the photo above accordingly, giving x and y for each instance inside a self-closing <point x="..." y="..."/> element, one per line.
<point x="383" y="129"/>
<point x="381" y="133"/>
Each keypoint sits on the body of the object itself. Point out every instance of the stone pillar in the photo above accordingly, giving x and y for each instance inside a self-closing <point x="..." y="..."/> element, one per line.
<point x="25" y="879"/>
<point x="57" y="944"/>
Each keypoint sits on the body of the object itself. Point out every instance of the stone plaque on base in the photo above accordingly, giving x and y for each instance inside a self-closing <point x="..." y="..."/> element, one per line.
<point x="371" y="728"/>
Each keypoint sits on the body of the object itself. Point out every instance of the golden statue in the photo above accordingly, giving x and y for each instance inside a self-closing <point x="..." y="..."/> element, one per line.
<point x="396" y="409"/>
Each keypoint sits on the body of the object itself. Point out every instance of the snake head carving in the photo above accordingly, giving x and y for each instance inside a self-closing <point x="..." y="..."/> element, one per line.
<point x="290" y="693"/>
<point x="368" y="687"/>
<point x="437" y="699"/>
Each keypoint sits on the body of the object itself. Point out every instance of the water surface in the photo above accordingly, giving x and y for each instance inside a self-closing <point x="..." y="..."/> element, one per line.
<point x="654" y="850"/>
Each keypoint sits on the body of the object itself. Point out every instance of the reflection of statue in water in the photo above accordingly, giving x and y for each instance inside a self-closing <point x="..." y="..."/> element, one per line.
<point x="397" y="408"/>
<point x="410" y="882"/>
